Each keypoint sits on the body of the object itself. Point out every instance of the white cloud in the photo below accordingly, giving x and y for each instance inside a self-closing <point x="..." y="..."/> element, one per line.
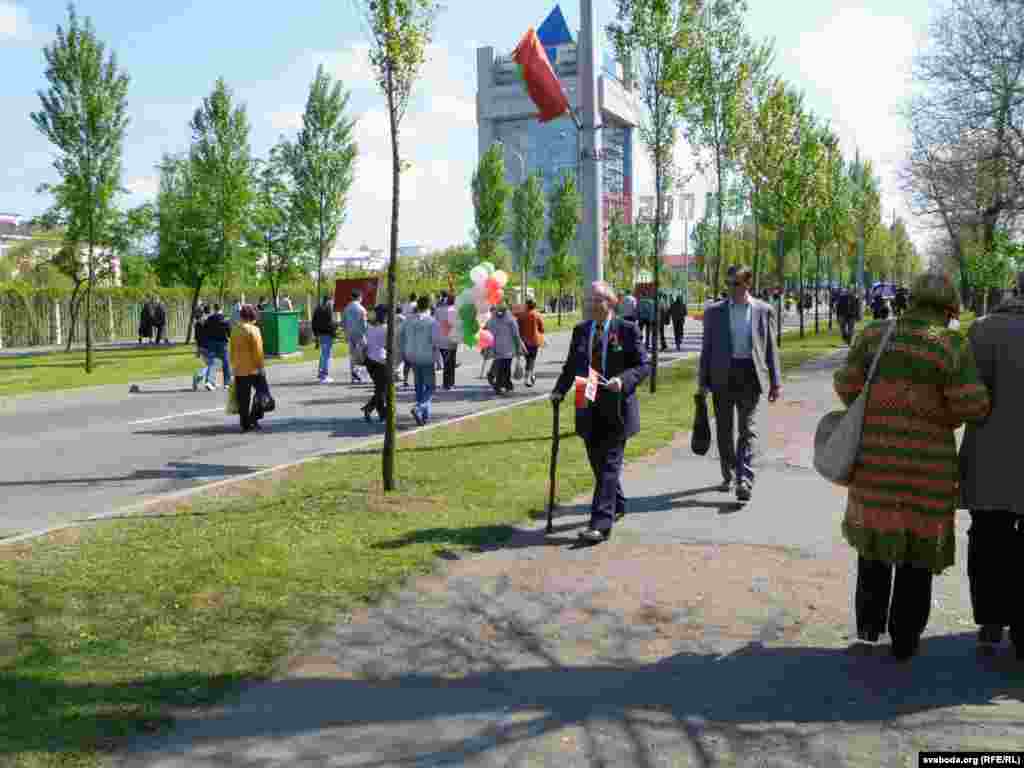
<point x="14" y="23"/>
<point x="143" y="187"/>
<point x="861" y="63"/>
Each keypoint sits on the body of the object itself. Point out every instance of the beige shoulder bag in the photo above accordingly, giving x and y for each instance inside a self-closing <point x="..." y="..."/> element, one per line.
<point x="837" y="439"/>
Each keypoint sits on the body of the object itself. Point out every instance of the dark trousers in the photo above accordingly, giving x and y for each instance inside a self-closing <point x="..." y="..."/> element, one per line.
<point x="846" y="325"/>
<point x="678" y="330"/>
<point x="531" y="359"/>
<point x="911" y="594"/>
<point x="661" y="334"/>
<point x="448" y="378"/>
<point x="160" y="333"/>
<point x="502" y="372"/>
<point x="995" y="546"/>
<point x="245" y="388"/>
<point x="741" y="398"/>
<point x="379" y="376"/>
<point x="605" y="453"/>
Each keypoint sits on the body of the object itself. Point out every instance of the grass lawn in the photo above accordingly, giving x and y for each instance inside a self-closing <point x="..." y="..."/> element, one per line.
<point x="66" y="370"/>
<point x="105" y="630"/>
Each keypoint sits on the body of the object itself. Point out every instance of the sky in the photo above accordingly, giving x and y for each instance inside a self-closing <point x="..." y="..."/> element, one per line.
<point x="851" y="60"/>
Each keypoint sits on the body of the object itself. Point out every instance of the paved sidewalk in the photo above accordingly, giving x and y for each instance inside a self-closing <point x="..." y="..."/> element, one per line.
<point x="702" y="634"/>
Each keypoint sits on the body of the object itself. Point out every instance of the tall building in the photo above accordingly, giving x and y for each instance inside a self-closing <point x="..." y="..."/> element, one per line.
<point x="506" y="114"/>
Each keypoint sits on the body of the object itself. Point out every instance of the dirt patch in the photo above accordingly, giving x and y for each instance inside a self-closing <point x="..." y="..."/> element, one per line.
<point x="66" y="537"/>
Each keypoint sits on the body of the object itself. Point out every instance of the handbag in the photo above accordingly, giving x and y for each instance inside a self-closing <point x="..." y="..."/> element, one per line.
<point x="518" y="373"/>
<point x="700" y="438"/>
<point x="837" y="438"/>
<point x="264" y="400"/>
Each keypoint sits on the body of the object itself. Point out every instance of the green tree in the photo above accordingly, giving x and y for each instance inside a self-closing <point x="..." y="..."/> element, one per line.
<point x="188" y="234"/>
<point x="528" y="222"/>
<point x="806" y="184"/>
<point x="401" y="31"/>
<point x="275" y="222"/>
<point x="222" y="167"/>
<point x="490" y="203"/>
<point x="84" y="114"/>
<point x="562" y="265"/>
<point x="618" y="240"/>
<point x="710" y="89"/>
<point x="654" y="37"/>
<point x="322" y="160"/>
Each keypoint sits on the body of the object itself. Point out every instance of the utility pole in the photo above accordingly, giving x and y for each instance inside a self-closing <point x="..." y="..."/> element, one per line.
<point x="589" y="154"/>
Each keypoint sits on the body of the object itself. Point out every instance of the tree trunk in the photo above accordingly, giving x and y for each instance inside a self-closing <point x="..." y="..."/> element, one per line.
<point x="655" y="346"/>
<point x="782" y="288"/>
<point x="388" y="458"/>
<point x="192" y="313"/>
<point x="817" y="285"/>
<point x="75" y="303"/>
<point x="800" y="282"/>
<point x="88" y="300"/>
<point x="757" y="245"/>
<point x="830" y="281"/>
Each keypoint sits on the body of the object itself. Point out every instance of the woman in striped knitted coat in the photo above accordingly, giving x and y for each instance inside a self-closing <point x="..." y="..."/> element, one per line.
<point x="904" y="494"/>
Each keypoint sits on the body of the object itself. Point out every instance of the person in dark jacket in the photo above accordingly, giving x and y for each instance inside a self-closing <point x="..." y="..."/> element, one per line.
<point x="613" y="348"/>
<point x="146" y="321"/>
<point x="217" y="332"/>
<point x="324" y="328"/>
<point x="160" y="321"/>
<point x="677" y="312"/>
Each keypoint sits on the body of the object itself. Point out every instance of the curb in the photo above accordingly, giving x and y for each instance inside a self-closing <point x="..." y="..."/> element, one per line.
<point x="133" y="510"/>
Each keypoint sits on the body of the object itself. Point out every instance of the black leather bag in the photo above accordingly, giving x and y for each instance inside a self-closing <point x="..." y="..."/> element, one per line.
<point x="700" y="438"/>
<point x="263" y="401"/>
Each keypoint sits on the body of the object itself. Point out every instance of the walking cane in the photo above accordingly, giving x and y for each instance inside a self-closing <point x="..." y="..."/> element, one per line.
<point x="554" y="464"/>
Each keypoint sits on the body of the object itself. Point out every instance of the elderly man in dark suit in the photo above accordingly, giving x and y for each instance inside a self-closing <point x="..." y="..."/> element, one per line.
<point x="738" y="362"/>
<point x="613" y="348"/>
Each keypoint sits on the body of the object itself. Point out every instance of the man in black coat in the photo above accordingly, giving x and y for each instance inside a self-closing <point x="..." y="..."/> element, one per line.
<point x="614" y="349"/>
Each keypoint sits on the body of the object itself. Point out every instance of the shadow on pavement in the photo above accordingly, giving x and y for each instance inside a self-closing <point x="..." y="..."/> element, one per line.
<point x="757" y="695"/>
<point x="176" y="470"/>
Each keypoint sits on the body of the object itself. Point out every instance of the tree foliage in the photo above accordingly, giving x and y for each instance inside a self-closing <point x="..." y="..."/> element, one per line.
<point x="84" y="115"/>
<point x="528" y="210"/>
<point x="490" y="203"/>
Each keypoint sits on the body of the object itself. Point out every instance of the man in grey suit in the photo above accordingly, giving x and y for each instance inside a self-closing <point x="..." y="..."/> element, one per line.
<point x="738" y="362"/>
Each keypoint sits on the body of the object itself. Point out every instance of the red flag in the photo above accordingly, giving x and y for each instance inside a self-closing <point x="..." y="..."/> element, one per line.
<point x="541" y="81"/>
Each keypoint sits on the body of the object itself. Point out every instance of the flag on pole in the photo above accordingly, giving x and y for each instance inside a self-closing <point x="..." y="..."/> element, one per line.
<point x="541" y="81"/>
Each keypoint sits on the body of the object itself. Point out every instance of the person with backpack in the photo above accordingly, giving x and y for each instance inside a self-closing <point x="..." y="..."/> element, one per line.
<point x="324" y="328"/>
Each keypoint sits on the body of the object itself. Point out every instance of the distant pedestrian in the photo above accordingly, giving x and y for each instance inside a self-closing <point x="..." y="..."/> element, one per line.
<point x="507" y="345"/>
<point x="236" y="314"/>
<point x="903" y="495"/>
<point x="325" y="329"/>
<point x="377" y="363"/>
<point x="160" y="321"/>
<point x="146" y="321"/>
<point x="531" y="330"/>
<point x="419" y="341"/>
<point x="410" y="307"/>
<point x="677" y="313"/>
<point x="202" y="352"/>
<point x="446" y="317"/>
<point x="247" y="359"/>
<point x="354" y="321"/>
<point x="663" y="320"/>
<point x="217" y="332"/>
<point x="738" y="362"/>
<point x="645" y="317"/>
<point x="846" y="311"/>
<point x="613" y="349"/>
<point x="286" y="303"/>
<point x="628" y="308"/>
<point x="989" y="464"/>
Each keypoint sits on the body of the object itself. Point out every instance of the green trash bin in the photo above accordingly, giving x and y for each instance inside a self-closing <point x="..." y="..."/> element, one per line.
<point x="280" y="332"/>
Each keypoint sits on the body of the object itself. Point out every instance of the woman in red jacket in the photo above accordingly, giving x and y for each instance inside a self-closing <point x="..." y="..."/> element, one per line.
<point x="531" y="330"/>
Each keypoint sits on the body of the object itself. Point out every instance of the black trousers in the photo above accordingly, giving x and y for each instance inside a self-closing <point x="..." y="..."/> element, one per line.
<point x="160" y="333"/>
<point x="645" y="328"/>
<point x="995" y="546"/>
<point x="245" y="388"/>
<point x="448" y="356"/>
<point x="379" y="376"/>
<point x="502" y="372"/>
<point x="661" y="335"/>
<point x="531" y="358"/>
<point x="911" y="596"/>
<point x="678" y="330"/>
<point x="605" y="453"/>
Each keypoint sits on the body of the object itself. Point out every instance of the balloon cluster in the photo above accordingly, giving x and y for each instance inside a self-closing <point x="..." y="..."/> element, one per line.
<point x="486" y="288"/>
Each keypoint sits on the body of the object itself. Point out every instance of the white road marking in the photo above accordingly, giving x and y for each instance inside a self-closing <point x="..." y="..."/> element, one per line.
<point x="174" y="416"/>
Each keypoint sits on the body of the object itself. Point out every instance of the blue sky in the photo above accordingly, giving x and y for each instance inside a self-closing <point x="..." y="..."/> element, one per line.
<point x="851" y="59"/>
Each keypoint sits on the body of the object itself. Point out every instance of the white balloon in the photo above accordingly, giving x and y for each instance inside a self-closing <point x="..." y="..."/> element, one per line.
<point x="478" y="275"/>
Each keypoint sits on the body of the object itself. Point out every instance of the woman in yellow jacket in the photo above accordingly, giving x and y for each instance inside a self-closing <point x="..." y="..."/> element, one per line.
<point x="247" y="363"/>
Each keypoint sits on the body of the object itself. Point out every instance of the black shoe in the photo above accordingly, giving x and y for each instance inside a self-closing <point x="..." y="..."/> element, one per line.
<point x="743" y="492"/>
<point x="725" y="486"/>
<point x="989" y="638"/>
<point x="366" y="415"/>
<point x="594" y="536"/>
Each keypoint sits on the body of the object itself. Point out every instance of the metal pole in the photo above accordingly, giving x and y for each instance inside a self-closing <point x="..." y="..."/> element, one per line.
<point x="590" y="152"/>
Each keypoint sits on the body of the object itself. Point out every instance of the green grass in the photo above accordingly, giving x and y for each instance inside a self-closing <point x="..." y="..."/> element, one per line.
<point x="104" y="629"/>
<point x="66" y="370"/>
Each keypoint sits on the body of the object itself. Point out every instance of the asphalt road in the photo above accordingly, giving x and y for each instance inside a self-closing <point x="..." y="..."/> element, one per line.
<point x="66" y="456"/>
